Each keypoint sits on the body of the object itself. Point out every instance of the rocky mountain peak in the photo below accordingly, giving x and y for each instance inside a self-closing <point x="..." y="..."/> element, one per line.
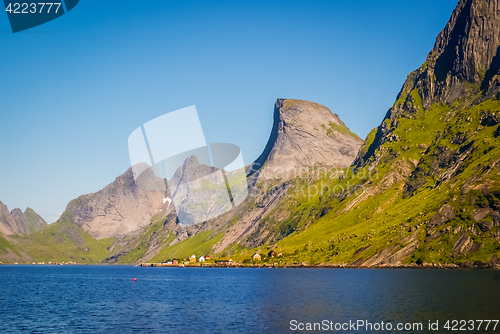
<point x="18" y="222"/>
<point x="465" y="57"/>
<point x="120" y="208"/>
<point x="464" y="62"/>
<point x="467" y="50"/>
<point x="190" y="170"/>
<point x="306" y="134"/>
<point x="468" y="45"/>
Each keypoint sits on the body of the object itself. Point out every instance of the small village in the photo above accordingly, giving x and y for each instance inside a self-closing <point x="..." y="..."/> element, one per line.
<point x="208" y="261"/>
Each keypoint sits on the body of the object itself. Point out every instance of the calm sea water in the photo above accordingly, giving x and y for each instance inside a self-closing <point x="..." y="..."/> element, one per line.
<point x="105" y="299"/>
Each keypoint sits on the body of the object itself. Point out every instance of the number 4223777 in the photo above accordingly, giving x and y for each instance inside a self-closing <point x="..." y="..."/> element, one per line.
<point x="32" y="8"/>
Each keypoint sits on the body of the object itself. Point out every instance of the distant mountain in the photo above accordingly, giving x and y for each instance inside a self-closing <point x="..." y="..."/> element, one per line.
<point x="18" y="222"/>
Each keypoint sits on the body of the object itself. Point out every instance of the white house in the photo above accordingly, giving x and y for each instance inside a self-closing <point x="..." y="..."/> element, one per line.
<point x="201" y="259"/>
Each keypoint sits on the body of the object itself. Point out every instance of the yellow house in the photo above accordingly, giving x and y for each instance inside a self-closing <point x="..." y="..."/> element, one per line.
<point x="256" y="257"/>
<point x="192" y="258"/>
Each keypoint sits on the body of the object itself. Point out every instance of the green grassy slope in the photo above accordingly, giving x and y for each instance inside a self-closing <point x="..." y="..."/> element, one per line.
<point x="5" y="245"/>
<point x="63" y="242"/>
<point x="199" y="245"/>
<point x="140" y="245"/>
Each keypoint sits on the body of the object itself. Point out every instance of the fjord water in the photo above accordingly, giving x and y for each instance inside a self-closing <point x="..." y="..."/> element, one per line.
<point x="105" y="299"/>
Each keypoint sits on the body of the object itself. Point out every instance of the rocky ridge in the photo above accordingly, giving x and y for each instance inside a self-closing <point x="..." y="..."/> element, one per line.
<point x="18" y="222"/>
<point x="120" y="208"/>
<point x="465" y="61"/>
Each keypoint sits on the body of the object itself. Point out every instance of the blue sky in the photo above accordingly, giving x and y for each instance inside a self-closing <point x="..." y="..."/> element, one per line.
<point x="74" y="89"/>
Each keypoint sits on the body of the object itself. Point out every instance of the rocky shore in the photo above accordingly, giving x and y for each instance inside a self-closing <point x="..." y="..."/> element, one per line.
<point x="494" y="264"/>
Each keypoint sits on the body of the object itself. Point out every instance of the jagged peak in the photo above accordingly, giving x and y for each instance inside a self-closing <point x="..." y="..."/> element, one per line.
<point x="463" y="64"/>
<point x="306" y="134"/>
<point x="469" y="44"/>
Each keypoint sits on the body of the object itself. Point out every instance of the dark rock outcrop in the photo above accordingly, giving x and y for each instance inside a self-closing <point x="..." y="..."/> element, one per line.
<point x="465" y="245"/>
<point x="491" y="264"/>
<point x="446" y="213"/>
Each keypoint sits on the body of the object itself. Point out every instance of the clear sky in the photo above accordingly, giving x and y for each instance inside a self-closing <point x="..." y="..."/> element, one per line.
<point x="74" y="89"/>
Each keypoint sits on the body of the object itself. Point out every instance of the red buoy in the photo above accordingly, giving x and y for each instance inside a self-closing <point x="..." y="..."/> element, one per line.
<point x="133" y="280"/>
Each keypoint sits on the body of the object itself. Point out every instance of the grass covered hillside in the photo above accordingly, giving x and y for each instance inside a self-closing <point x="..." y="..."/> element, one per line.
<point x="433" y="196"/>
<point x="59" y="242"/>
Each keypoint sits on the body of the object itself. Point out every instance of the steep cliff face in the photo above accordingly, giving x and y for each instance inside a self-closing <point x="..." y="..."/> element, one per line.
<point x="443" y="128"/>
<point x="118" y="209"/>
<point x="305" y="134"/>
<point x="7" y="223"/>
<point x="466" y="51"/>
<point x="18" y="222"/>
<point x="462" y="68"/>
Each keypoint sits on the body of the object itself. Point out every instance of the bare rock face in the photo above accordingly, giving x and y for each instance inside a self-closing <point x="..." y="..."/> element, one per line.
<point x="21" y="221"/>
<point x="467" y="50"/>
<point x="305" y="134"/>
<point x="119" y="209"/>
<point x="465" y="61"/>
<point x="7" y="223"/>
<point x="18" y="222"/>
<point x="198" y="192"/>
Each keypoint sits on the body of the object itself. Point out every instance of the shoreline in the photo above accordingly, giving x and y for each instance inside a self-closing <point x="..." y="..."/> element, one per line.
<point x="468" y="265"/>
<point x="464" y="266"/>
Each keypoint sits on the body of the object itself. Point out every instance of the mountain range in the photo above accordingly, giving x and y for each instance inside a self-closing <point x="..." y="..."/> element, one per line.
<point x="422" y="188"/>
<point x="18" y="222"/>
